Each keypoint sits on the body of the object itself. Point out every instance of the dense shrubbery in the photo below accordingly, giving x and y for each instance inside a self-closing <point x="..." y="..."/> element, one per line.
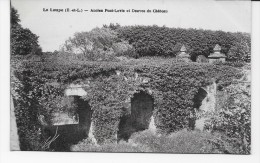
<point x="240" y="51"/>
<point x="179" y="142"/>
<point x="25" y="108"/>
<point x="141" y="41"/>
<point x="233" y="119"/>
<point x="163" y="41"/>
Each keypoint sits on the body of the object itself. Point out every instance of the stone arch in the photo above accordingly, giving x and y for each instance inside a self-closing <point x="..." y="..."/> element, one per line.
<point x="72" y="133"/>
<point x="142" y="106"/>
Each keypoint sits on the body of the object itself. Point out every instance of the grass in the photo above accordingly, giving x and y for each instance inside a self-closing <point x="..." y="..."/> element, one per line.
<point x="179" y="142"/>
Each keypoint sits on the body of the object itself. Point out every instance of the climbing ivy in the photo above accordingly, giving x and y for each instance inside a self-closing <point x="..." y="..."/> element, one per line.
<point x="111" y="85"/>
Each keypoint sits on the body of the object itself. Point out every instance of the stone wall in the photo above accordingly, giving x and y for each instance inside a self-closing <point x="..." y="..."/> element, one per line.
<point x="213" y="60"/>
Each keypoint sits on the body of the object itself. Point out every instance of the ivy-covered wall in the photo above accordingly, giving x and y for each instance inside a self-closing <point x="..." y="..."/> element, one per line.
<point x="111" y="85"/>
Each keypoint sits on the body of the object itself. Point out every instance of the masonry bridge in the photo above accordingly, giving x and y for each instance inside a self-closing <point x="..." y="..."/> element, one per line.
<point x="141" y="117"/>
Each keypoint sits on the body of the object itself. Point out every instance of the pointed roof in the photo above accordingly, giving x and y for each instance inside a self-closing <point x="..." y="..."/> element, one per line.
<point x="183" y="53"/>
<point x="183" y="49"/>
<point x="217" y="48"/>
<point x="217" y="53"/>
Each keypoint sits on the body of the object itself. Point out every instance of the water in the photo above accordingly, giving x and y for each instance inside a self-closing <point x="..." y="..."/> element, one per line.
<point x="91" y="135"/>
<point x="152" y="126"/>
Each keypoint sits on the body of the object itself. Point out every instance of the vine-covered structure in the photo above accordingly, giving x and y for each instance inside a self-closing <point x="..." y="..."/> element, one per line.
<point x="121" y="96"/>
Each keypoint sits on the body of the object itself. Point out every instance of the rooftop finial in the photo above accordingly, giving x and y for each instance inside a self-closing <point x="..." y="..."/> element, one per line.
<point x="183" y="49"/>
<point x="217" y="48"/>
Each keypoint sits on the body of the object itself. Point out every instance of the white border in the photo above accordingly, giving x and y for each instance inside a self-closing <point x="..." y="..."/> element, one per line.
<point x="43" y="157"/>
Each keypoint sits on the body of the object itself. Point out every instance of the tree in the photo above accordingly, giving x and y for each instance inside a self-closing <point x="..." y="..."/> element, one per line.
<point x="98" y="40"/>
<point x="14" y="17"/>
<point x="163" y="41"/>
<point x="23" y="41"/>
<point x="112" y="26"/>
<point x="239" y="52"/>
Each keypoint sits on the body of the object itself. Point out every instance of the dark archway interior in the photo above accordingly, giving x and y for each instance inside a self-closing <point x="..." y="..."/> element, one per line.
<point x="72" y="133"/>
<point x="84" y="114"/>
<point x="142" y="105"/>
<point x="197" y="102"/>
<point x="199" y="97"/>
<point x="141" y="110"/>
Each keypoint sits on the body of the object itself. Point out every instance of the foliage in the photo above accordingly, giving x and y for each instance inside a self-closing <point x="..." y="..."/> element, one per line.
<point x="23" y="41"/>
<point x="107" y="96"/>
<point x="241" y="51"/>
<point x="141" y="41"/>
<point x="25" y="108"/>
<point x="87" y="146"/>
<point x="124" y="49"/>
<point x="112" y="26"/>
<point x="179" y="142"/>
<point x="164" y="41"/>
<point x="91" y="44"/>
<point x="112" y="84"/>
<point x="202" y="59"/>
<point x="234" y="118"/>
<point x="14" y="17"/>
<point x="238" y="64"/>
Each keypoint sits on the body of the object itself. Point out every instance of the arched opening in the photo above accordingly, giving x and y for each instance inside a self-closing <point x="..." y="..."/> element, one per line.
<point x="141" y="110"/>
<point x="198" y="101"/>
<point x="142" y="106"/>
<point x="199" y="97"/>
<point x="70" y="134"/>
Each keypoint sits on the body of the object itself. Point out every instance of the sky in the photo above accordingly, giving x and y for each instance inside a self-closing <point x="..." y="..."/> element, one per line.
<point x="53" y="28"/>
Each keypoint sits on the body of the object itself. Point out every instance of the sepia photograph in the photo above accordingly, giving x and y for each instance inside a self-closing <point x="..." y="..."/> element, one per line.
<point x="131" y="77"/>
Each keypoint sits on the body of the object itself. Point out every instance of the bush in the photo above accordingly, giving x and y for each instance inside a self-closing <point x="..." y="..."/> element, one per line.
<point x="87" y="146"/>
<point x="180" y="142"/>
<point x="202" y="59"/>
<point x="233" y="119"/>
<point x="164" y="41"/>
<point x="124" y="49"/>
<point x="238" y="64"/>
<point x="36" y="50"/>
<point x="240" y="52"/>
